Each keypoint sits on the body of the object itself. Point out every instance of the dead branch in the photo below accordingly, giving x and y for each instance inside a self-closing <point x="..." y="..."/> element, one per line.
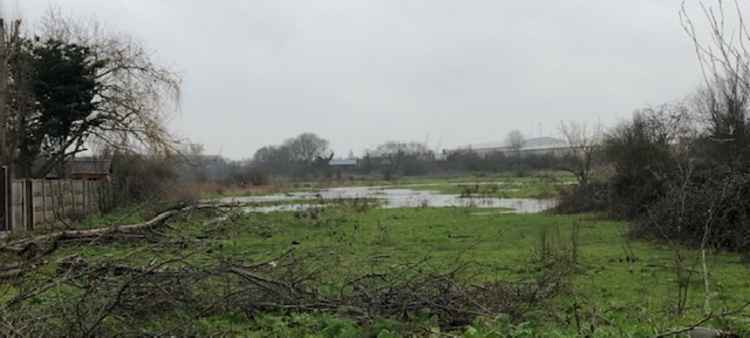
<point x="29" y="249"/>
<point x="160" y="219"/>
<point x="125" y="293"/>
<point x="696" y="329"/>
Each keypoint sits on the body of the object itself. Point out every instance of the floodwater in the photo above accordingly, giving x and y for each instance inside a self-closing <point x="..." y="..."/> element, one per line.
<point x="393" y="198"/>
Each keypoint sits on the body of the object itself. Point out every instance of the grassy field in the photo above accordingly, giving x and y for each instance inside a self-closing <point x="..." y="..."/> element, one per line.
<point x="618" y="287"/>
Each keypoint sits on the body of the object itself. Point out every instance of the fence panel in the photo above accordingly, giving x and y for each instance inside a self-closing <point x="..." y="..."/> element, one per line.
<point x="44" y="204"/>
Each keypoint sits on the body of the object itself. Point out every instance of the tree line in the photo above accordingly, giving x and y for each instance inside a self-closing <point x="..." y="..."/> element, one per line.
<point x="308" y="156"/>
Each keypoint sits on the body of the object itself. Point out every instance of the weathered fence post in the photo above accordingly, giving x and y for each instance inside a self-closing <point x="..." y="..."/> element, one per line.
<point x="29" y="199"/>
<point x="6" y="220"/>
<point x="44" y="200"/>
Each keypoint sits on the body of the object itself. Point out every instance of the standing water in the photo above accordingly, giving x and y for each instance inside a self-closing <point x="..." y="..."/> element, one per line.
<point x="395" y="198"/>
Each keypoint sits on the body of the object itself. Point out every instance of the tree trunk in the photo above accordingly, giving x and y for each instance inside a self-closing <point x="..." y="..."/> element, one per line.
<point x="4" y="111"/>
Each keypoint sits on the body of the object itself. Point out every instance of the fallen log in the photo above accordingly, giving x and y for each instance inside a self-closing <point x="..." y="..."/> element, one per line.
<point x="30" y="250"/>
<point x="11" y="273"/>
<point x="19" y="245"/>
<point x="24" y="244"/>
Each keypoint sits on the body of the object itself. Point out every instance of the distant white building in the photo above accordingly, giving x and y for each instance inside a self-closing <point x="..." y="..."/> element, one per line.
<point x="342" y="163"/>
<point x="536" y="145"/>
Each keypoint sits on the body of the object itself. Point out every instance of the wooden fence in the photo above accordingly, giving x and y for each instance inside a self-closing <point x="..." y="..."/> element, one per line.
<point x="44" y="204"/>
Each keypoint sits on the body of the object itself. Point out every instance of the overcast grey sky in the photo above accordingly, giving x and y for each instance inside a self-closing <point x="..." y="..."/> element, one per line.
<point x="362" y="72"/>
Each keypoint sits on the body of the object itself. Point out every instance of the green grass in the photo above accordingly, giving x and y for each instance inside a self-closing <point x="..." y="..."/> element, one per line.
<point x="626" y="298"/>
<point x="611" y="292"/>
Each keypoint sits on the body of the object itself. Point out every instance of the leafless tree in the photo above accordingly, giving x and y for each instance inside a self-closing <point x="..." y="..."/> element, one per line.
<point x="582" y="142"/>
<point x="724" y="101"/>
<point x="399" y="155"/>
<point x="307" y="147"/>
<point x="724" y="59"/>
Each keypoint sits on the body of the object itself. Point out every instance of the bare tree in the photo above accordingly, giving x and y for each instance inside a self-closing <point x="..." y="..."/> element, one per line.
<point x="397" y="156"/>
<point x="724" y="59"/>
<point x="307" y="147"/>
<point x="582" y="142"/>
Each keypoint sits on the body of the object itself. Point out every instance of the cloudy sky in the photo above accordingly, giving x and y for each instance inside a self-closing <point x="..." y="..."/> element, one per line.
<point x="360" y="72"/>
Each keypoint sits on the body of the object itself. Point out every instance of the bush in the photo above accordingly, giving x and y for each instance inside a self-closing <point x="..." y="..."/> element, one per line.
<point x="593" y="196"/>
<point x="674" y="184"/>
<point x="139" y="178"/>
<point x="704" y="207"/>
<point x="259" y="177"/>
<point x="244" y="175"/>
<point x="641" y="155"/>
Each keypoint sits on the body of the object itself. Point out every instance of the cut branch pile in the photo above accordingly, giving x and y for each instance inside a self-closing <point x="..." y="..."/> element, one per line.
<point x="402" y="292"/>
<point x="111" y="292"/>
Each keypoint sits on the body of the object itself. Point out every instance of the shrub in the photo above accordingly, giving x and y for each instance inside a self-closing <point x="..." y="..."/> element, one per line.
<point x="593" y="196"/>
<point x="714" y="210"/>
<point x="139" y="177"/>
<point x="674" y="184"/>
<point x="640" y="153"/>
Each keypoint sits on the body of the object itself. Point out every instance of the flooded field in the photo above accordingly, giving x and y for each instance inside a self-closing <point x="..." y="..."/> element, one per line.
<point x="393" y="198"/>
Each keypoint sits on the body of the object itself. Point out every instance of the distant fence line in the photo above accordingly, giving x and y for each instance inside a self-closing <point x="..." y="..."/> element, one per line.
<point x="44" y="204"/>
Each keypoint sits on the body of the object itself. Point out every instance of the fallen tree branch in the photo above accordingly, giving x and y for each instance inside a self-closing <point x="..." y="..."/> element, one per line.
<point x="697" y="330"/>
<point x="160" y="219"/>
<point x="28" y="248"/>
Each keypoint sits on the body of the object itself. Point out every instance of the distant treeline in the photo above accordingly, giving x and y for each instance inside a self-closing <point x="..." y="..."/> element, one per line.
<point x="308" y="157"/>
